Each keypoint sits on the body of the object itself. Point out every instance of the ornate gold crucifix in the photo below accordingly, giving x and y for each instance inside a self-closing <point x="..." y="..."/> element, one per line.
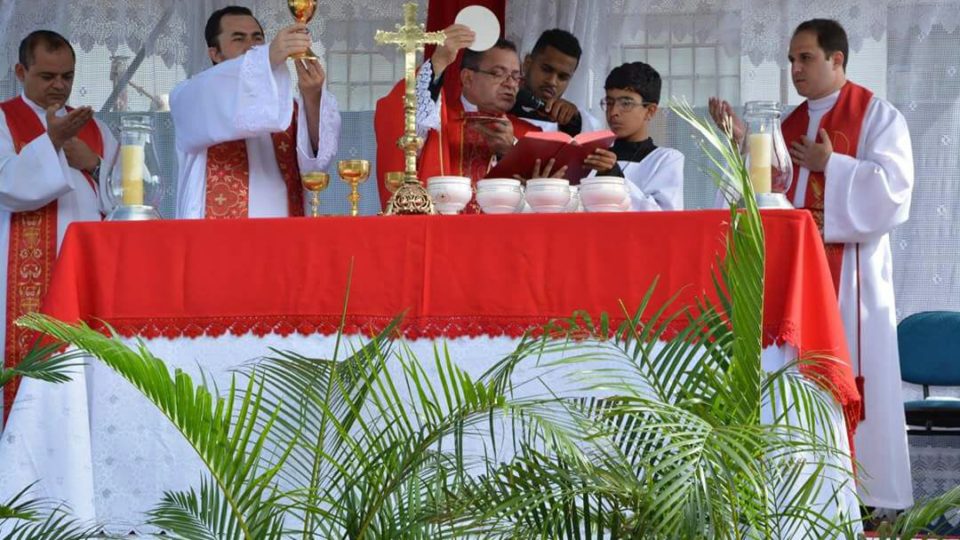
<point x="410" y="37"/>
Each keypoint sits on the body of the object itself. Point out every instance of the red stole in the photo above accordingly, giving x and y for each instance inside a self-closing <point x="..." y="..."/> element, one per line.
<point x="33" y="241"/>
<point x="458" y="150"/>
<point x="228" y="175"/>
<point x="843" y="124"/>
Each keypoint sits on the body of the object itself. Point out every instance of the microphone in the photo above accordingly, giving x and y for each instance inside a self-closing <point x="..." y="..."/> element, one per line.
<point x="526" y="99"/>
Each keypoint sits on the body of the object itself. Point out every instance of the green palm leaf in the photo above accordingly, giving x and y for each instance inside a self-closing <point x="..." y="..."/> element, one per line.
<point x="226" y="432"/>
<point x="33" y="519"/>
<point x="44" y="362"/>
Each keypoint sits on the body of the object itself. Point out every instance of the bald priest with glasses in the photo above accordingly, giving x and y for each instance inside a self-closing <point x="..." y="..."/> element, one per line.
<point x="466" y="133"/>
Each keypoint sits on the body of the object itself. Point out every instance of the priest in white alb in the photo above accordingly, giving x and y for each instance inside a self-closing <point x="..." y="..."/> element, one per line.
<point x="50" y="163"/>
<point x="854" y="172"/>
<point x="242" y="139"/>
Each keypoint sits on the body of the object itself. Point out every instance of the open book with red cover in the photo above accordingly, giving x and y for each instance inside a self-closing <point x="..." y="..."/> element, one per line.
<point x="563" y="149"/>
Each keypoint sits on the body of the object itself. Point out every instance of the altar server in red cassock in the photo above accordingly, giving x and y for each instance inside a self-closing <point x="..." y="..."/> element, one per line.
<point x="854" y="172"/>
<point x="242" y="139"/>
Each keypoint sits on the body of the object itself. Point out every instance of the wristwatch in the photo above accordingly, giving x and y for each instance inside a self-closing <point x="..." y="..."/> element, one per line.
<point x="95" y="172"/>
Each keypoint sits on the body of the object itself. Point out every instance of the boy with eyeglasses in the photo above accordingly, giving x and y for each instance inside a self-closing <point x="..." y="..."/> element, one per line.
<point x="654" y="174"/>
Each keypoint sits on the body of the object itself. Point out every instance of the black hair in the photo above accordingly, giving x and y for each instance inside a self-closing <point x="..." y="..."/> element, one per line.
<point x="831" y="37"/>
<point x="213" y="28"/>
<point x="471" y="59"/>
<point x="561" y="40"/>
<point x="48" y="38"/>
<point x="637" y="77"/>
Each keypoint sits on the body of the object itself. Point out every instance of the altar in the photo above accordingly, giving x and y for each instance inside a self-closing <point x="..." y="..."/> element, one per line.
<point x="209" y="296"/>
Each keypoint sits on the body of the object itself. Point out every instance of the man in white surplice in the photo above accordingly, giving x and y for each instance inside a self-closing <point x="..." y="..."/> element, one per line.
<point x="247" y="97"/>
<point x="857" y="194"/>
<point x="50" y="176"/>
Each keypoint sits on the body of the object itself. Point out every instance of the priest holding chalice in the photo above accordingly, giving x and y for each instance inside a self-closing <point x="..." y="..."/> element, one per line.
<point x="243" y="141"/>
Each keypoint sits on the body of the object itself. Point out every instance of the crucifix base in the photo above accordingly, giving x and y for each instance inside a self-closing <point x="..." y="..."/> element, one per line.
<point x="410" y="199"/>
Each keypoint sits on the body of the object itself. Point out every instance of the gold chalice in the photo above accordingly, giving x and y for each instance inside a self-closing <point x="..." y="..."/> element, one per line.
<point x="354" y="172"/>
<point x="315" y="182"/>
<point x="393" y="180"/>
<point x="303" y="11"/>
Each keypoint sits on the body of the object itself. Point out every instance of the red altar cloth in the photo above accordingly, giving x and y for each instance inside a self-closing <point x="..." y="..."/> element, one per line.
<point x="453" y="276"/>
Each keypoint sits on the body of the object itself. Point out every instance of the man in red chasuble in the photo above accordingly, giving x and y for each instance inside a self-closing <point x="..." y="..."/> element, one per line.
<point x="854" y="172"/>
<point x="465" y="135"/>
<point x="242" y="139"/>
<point x="50" y="156"/>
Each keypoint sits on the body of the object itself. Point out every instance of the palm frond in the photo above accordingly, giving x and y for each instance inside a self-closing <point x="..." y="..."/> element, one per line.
<point x="44" y="362"/>
<point x="207" y="516"/>
<point x="921" y="517"/>
<point x="37" y="519"/>
<point x="226" y="432"/>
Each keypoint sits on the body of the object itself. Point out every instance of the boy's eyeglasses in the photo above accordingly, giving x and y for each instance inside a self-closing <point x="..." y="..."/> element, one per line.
<point x="625" y="104"/>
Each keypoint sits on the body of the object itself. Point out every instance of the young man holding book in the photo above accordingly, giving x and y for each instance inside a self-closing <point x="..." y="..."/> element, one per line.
<point x="654" y="175"/>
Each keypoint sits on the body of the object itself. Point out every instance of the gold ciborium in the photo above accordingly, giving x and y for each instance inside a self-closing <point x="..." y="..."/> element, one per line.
<point x="393" y="180"/>
<point x="303" y="11"/>
<point x="354" y="172"/>
<point x="315" y="182"/>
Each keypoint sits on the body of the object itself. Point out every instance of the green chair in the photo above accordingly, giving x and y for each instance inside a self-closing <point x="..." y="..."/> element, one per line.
<point x="930" y="356"/>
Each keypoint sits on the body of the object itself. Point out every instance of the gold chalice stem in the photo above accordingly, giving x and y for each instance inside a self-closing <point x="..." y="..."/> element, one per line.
<point x="314" y="204"/>
<point x="354" y="198"/>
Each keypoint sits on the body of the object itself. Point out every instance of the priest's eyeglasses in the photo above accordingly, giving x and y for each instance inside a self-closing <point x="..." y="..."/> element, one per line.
<point x="501" y="76"/>
<point x="625" y="104"/>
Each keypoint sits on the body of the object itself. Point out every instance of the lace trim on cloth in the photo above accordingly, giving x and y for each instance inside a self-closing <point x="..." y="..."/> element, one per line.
<point x="428" y="110"/>
<point x="783" y="333"/>
<point x="411" y="328"/>
<point x="329" y="116"/>
<point x="262" y="100"/>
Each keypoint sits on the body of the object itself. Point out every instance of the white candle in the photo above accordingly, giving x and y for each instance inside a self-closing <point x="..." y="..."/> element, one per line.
<point x="131" y="173"/>
<point x="761" y="149"/>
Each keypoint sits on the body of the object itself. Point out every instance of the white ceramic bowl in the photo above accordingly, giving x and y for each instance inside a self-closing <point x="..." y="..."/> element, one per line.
<point x="450" y="194"/>
<point x="548" y="195"/>
<point x="604" y="194"/>
<point x="499" y="195"/>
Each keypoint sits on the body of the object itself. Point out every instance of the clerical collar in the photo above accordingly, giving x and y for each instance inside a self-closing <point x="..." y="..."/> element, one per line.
<point x="633" y="151"/>
<point x="824" y="103"/>
<point x="467" y="106"/>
